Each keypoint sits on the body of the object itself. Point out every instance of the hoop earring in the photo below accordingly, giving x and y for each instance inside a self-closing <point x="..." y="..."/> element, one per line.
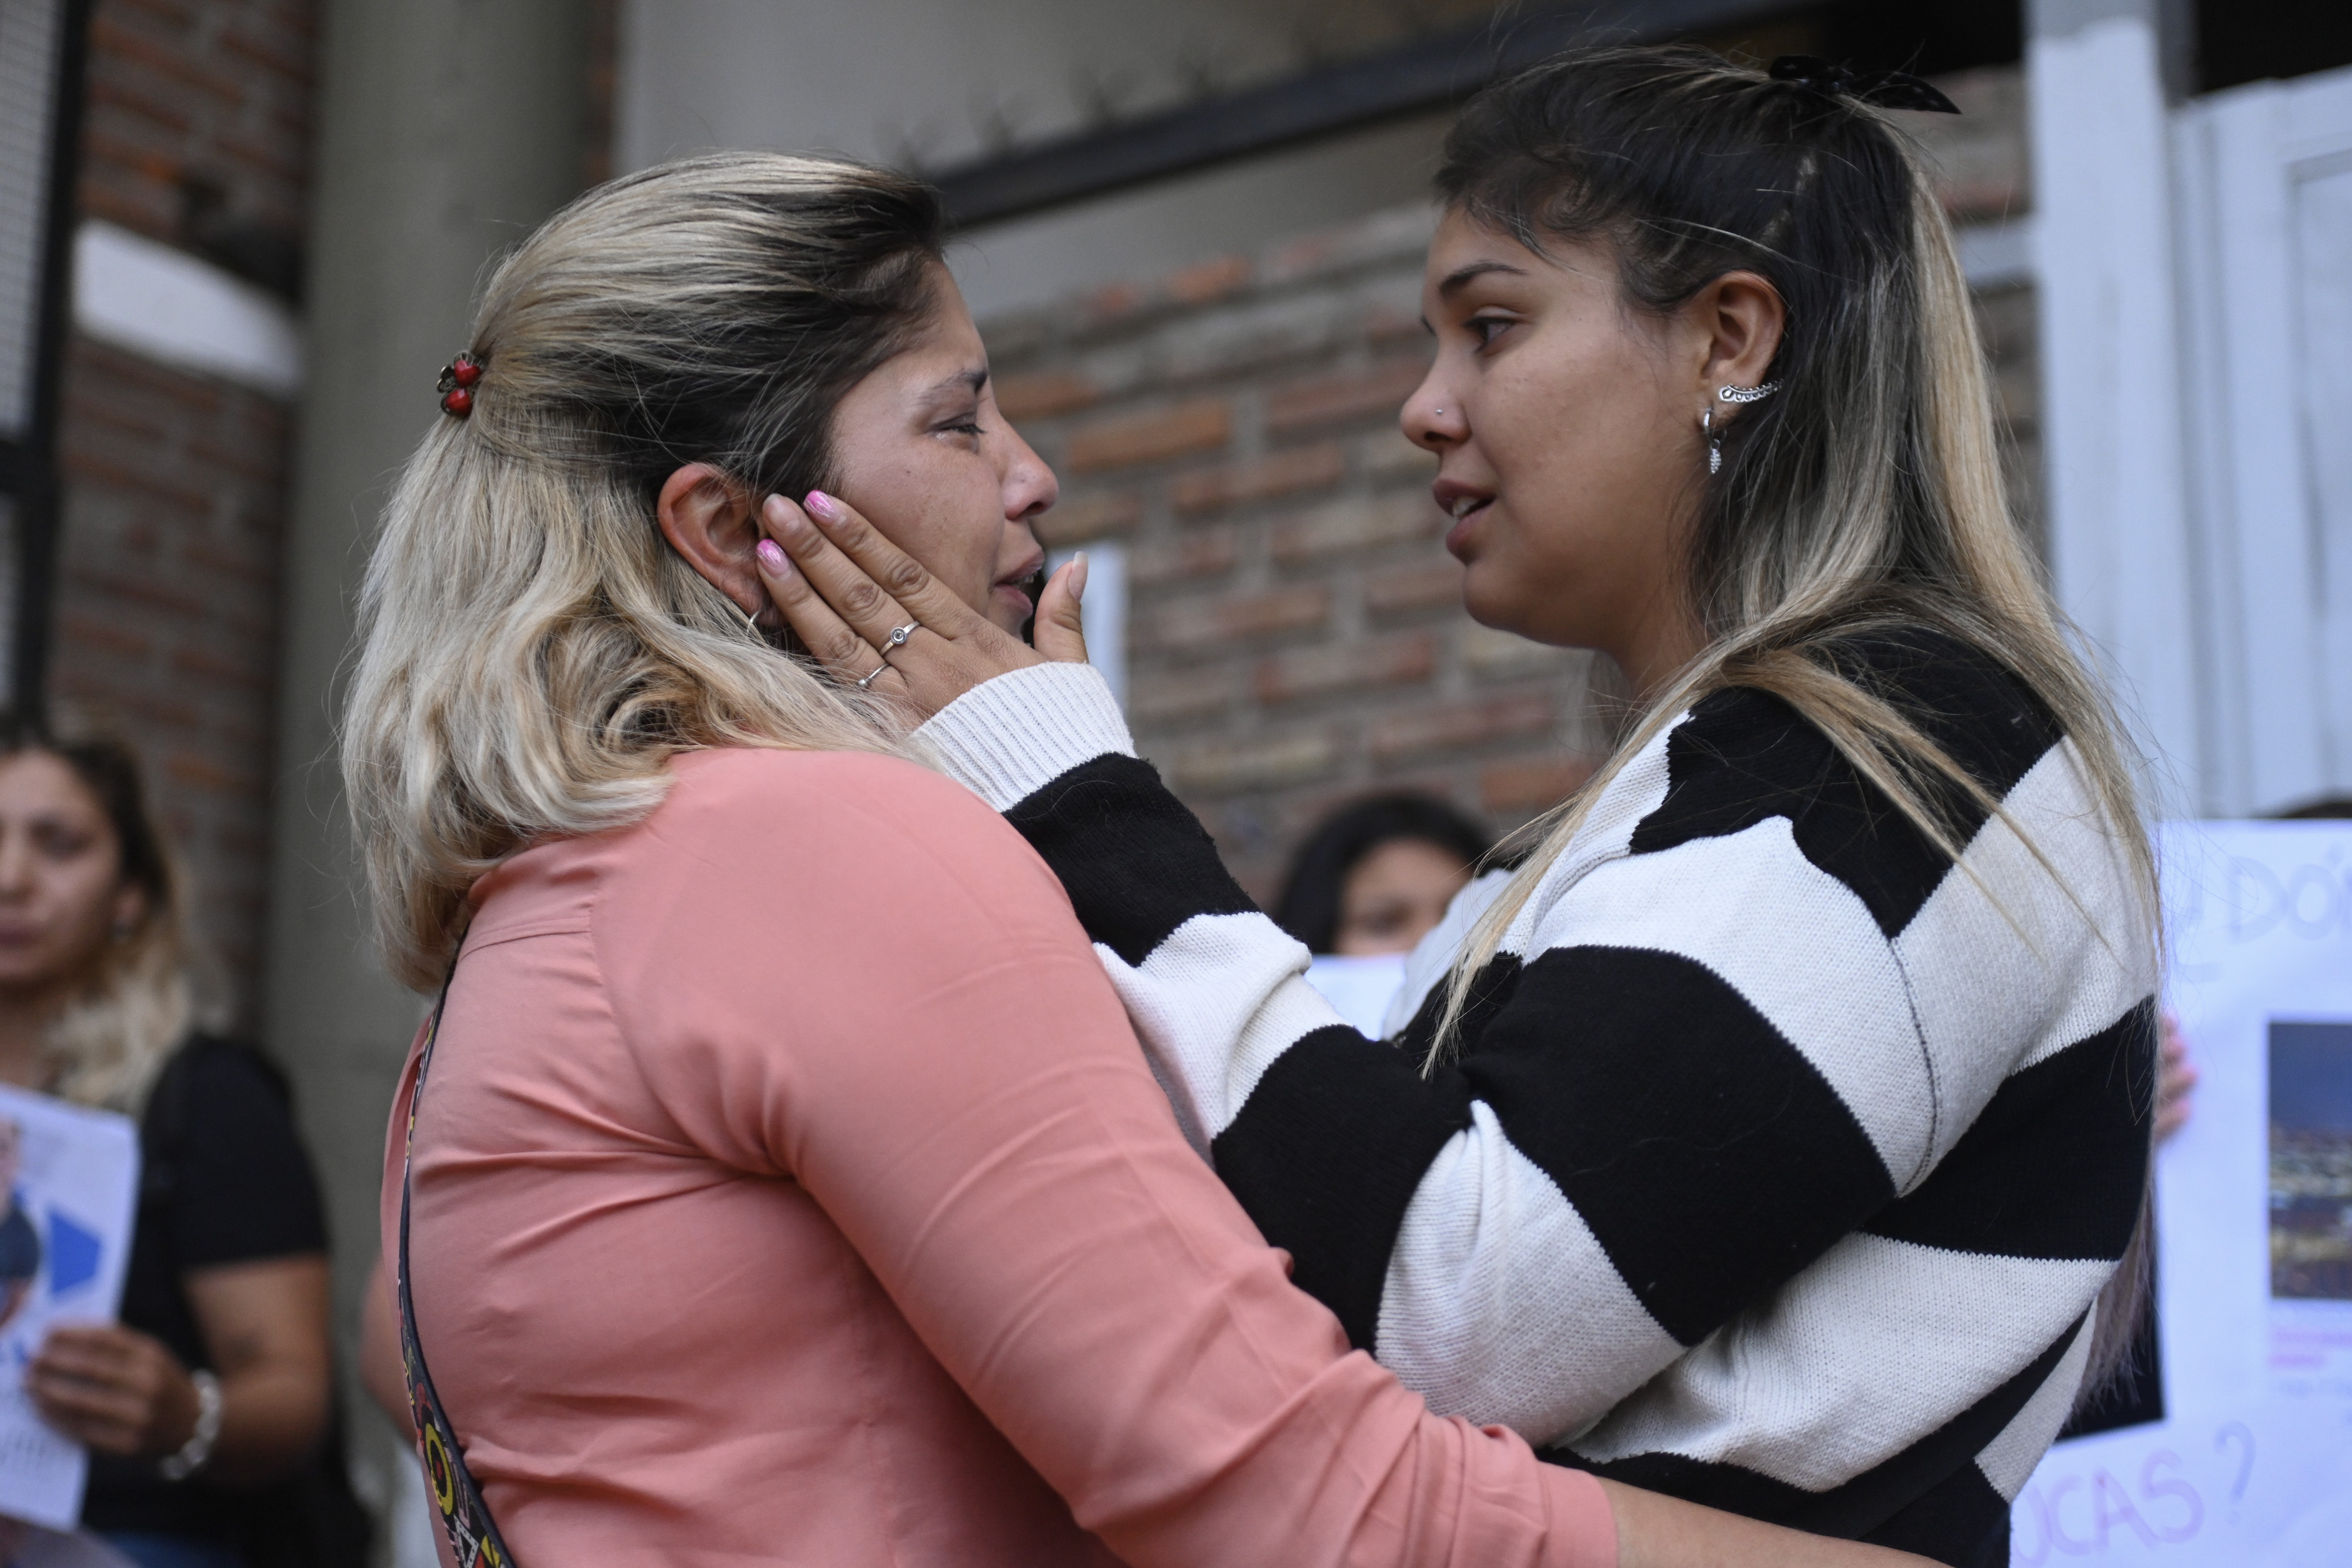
<point x="1713" y="439"/>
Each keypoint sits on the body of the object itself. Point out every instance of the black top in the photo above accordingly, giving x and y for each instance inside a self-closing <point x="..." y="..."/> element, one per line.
<point x="224" y="1179"/>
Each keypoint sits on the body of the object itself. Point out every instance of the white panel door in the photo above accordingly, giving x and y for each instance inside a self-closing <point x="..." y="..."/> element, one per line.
<point x="2265" y="212"/>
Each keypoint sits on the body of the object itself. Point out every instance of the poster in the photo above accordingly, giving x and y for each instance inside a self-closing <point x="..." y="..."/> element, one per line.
<point x="68" y="1182"/>
<point x="2251" y="1467"/>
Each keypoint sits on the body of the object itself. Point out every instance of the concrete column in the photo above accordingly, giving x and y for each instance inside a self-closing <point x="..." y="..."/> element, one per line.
<point x="448" y="129"/>
<point x="2110" y="310"/>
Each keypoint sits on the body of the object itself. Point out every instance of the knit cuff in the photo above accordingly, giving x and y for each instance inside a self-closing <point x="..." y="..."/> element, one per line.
<point x="1007" y="739"/>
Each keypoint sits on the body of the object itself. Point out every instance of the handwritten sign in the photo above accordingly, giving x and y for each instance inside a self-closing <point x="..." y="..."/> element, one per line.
<point x="2252" y="1466"/>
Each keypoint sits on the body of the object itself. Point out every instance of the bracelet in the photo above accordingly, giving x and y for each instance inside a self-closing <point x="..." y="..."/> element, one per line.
<point x="198" y="1449"/>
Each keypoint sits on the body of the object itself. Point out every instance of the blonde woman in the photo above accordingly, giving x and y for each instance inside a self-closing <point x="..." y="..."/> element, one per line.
<point x="215" y="1383"/>
<point x="782" y="1181"/>
<point x="1772" y="1135"/>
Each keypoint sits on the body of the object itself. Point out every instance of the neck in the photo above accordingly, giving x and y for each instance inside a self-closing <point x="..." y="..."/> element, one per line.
<point x="25" y="1019"/>
<point x="1658" y="649"/>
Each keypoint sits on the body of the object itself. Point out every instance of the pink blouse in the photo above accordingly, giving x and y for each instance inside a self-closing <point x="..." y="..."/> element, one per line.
<point x="791" y="1189"/>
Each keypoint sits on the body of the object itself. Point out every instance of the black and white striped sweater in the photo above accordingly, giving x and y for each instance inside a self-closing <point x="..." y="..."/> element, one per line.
<point x="1783" y="1161"/>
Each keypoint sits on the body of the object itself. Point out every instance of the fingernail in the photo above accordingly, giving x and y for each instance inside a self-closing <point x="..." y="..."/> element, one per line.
<point x="772" y="557"/>
<point x="824" y="506"/>
<point x="1079" y="578"/>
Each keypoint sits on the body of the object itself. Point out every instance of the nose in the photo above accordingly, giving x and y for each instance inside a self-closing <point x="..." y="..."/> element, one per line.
<point x="1431" y="417"/>
<point x="1030" y="487"/>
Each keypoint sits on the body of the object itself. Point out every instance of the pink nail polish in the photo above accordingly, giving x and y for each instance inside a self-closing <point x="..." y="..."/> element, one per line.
<point x="774" y="559"/>
<point x="824" y="506"/>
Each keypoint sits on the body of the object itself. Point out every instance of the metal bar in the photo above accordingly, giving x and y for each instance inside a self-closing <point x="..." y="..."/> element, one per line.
<point x="1430" y="72"/>
<point x="38" y="490"/>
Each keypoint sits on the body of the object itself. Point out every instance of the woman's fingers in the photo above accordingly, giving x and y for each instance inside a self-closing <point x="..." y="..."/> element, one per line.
<point x="1061" y="633"/>
<point x="820" y="579"/>
<point x="896" y="575"/>
<point x="832" y="641"/>
<point x="856" y="598"/>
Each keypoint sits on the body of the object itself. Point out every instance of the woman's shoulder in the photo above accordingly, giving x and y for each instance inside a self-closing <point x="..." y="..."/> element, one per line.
<point x="725" y="790"/>
<point x="1743" y="757"/>
<point x="1960" y="696"/>
<point x="747" y="817"/>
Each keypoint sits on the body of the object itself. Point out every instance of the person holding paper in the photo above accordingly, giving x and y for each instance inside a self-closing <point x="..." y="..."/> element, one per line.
<point x="1777" y="1134"/>
<point x="215" y="1382"/>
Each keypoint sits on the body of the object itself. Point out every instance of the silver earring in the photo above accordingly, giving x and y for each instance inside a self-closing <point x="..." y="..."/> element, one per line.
<point x="1714" y="438"/>
<point x="1747" y="394"/>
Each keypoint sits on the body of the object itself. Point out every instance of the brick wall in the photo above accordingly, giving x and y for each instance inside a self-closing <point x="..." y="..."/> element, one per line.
<point x="166" y="607"/>
<point x="1296" y="630"/>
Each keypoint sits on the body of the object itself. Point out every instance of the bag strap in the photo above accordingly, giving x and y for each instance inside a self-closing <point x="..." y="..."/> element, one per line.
<point x="473" y="1536"/>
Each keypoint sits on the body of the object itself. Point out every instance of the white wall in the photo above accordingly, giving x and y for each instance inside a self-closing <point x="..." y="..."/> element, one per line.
<point x="883" y="78"/>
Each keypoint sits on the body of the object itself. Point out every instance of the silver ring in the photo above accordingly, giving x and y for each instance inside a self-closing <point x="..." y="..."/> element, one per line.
<point x="898" y="635"/>
<point x="879" y="670"/>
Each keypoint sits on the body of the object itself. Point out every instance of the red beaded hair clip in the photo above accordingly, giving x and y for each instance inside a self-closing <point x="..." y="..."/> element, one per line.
<point x="457" y="384"/>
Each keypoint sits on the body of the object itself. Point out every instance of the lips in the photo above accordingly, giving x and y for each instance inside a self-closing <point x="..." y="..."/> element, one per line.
<point x="1465" y="504"/>
<point x="1025" y="586"/>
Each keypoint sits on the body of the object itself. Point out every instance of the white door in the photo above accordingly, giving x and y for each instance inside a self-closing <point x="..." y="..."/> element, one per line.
<point x="2266" y="214"/>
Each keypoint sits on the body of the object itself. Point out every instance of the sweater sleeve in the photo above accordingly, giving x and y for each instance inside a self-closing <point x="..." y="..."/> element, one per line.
<point x="941" y="1064"/>
<point x="1667" y="1113"/>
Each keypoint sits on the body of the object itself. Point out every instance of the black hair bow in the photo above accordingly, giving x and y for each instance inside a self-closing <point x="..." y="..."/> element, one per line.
<point x="1881" y="89"/>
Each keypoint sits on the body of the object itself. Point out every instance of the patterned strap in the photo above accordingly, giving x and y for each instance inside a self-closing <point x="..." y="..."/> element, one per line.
<point x="473" y="1537"/>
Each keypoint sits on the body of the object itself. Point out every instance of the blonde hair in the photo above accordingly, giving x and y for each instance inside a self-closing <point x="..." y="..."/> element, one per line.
<point x="136" y="1004"/>
<point x="1863" y="498"/>
<point x="531" y="649"/>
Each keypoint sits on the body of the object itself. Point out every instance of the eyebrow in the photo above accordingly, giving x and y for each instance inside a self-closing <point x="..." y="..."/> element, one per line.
<point x="1461" y="277"/>
<point x="970" y="381"/>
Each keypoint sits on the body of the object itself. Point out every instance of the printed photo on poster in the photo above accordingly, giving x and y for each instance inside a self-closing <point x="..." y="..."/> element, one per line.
<point x="68" y="1183"/>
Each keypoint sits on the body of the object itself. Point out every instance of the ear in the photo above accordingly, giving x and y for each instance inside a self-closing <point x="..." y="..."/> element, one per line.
<point x="708" y="518"/>
<point x="1741" y="317"/>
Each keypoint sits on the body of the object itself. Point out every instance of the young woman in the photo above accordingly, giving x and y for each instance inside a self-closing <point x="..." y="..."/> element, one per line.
<point x="786" y="1185"/>
<point x="1772" y="1135"/>
<point x="1376" y="876"/>
<point x="214" y="1383"/>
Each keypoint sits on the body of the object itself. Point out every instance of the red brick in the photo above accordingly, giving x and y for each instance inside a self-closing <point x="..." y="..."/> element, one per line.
<point x="1259" y="762"/>
<point x="107" y="634"/>
<point x="1207" y="280"/>
<point x="1302" y="673"/>
<point x="1108" y="304"/>
<point x="1043" y="394"/>
<point x="1276" y="474"/>
<point x="1193" y="553"/>
<point x="1345" y="525"/>
<point x="1379" y="389"/>
<point x="1534" y="784"/>
<point x="1460" y="725"/>
<point x="1201" y="426"/>
<point x="1092" y="516"/>
<point x="1172" y="696"/>
<point x="1208" y="623"/>
<point x="1409" y="587"/>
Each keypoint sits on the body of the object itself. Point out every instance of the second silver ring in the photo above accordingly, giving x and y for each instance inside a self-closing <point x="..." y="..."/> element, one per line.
<point x="898" y="635"/>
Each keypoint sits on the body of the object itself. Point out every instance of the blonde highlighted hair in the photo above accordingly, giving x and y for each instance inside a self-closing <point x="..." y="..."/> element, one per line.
<point x="531" y="649"/>
<point x="1863" y="498"/>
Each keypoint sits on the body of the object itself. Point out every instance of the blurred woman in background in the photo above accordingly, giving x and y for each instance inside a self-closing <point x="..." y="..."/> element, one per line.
<point x="216" y="1381"/>
<point x="1377" y="875"/>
